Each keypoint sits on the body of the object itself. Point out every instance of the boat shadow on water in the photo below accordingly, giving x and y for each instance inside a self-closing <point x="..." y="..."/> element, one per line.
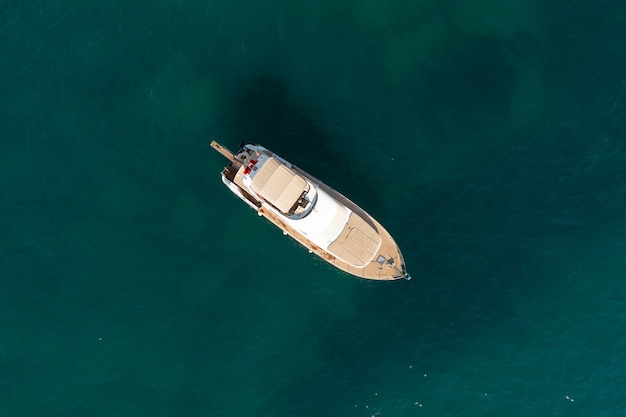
<point x="269" y="113"/>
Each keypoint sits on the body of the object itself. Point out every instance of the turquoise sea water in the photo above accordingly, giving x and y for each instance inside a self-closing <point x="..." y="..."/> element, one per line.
<point x="488" y="137"/>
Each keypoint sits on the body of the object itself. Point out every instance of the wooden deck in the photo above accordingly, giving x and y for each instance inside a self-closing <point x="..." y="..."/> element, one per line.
<point x="371" y="270"/>
<point x="394" y="263"/>
<point x="391" y="268"/>
<point x="225" y="152"/>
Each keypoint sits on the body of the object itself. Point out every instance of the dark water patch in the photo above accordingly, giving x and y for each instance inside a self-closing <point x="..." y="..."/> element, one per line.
<point x="471" y="83"/>
<point x="584" y="68"/>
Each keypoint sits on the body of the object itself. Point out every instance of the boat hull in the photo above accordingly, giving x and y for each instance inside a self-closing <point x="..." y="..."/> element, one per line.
<point x="382" y="259"/>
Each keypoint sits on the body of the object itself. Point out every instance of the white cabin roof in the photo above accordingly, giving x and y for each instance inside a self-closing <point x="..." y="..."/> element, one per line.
<point x="339" y="230"/>
<point x="325" y="221"/>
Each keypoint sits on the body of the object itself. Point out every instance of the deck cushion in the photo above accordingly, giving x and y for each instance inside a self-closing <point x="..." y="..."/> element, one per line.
<point x="357" y="243"/>
<point x="278" y="184"/>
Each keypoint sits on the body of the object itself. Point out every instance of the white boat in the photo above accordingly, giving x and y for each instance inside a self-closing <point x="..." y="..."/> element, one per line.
<point x="320" y="218"/>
